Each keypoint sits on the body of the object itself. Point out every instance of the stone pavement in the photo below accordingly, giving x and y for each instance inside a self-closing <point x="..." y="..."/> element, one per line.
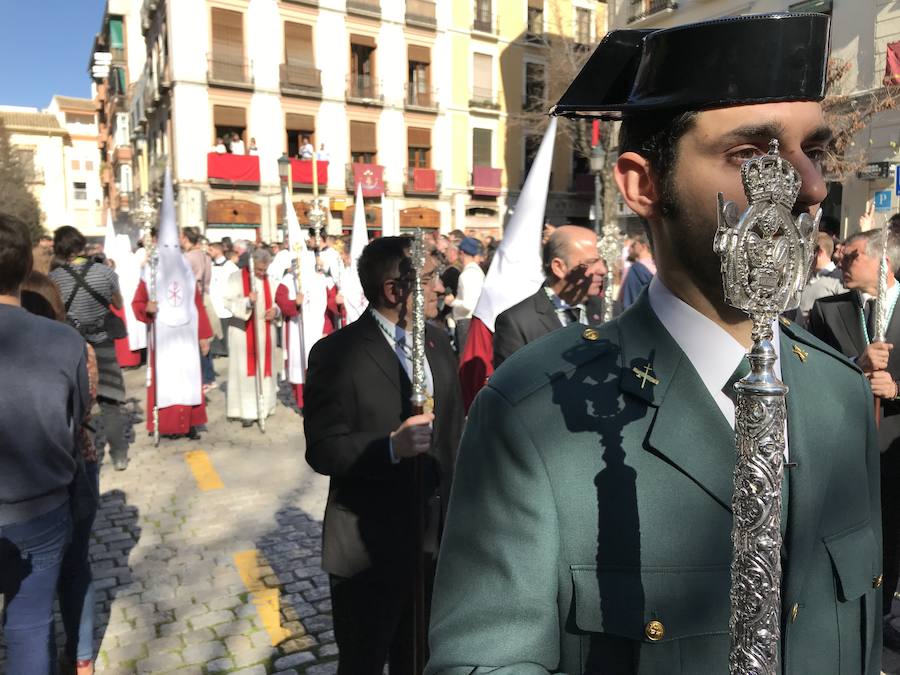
<point x="206" y="554"/>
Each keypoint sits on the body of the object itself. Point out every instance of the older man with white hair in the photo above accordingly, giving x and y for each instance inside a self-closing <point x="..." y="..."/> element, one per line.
<point x="250" y="297"/>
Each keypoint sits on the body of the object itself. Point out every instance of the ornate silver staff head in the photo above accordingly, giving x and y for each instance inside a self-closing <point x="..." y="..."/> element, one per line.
<point x="609" y="246"/>
<point x="766" y="253"/>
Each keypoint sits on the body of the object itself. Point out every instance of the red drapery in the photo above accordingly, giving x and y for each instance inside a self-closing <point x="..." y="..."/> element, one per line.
<point x="371" y="177"/>
<point x="892" y="65"/>
<point x="251" y="333"/>
<point x="301" y="172"/>
<point x="486" y="181"/>
<point x="425" y="180"/>
<point x="234" y="168"/>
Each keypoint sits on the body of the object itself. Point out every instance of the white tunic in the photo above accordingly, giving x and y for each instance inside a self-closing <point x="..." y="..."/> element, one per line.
<point x="241" y="392"/>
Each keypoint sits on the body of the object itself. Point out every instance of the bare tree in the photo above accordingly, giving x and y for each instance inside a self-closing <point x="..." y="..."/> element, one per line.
<point x="847" y="115"/>
<point x="15" y="197"/>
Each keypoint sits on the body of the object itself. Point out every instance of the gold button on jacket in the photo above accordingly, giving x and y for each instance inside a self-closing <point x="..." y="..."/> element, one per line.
<point x="655" y="631"/>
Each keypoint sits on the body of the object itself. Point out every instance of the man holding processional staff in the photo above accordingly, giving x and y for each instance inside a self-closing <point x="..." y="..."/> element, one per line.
<point x="603" y="471"/>
<point x="361" y="432"/>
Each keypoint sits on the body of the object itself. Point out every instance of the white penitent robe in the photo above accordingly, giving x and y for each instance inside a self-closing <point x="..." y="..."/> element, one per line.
<point x="241" y="392"/>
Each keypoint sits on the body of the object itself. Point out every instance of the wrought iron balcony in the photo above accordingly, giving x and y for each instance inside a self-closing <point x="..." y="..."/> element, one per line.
<point x="226" y="71"/>
<point x="301" y="80"/>
<point x="483" y="98"/>
<point x="370" y="8"/>
<point x="420" y="100"/>
<point x="421" y="13"/>
<point x="641" y="9"/>
<point x="486" y="23"/>
<point x="364" y="91"/>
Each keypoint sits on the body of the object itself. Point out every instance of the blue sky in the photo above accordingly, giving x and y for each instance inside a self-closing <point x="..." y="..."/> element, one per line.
<point x="45" y="47"/>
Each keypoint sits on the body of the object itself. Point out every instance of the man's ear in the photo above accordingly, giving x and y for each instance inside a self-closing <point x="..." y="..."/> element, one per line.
<point x="637" y="184"/>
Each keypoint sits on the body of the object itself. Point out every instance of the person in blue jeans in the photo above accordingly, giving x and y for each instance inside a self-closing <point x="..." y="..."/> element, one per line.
<point x="42" y="404"/>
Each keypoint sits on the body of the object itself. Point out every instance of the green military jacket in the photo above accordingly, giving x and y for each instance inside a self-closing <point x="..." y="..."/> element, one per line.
<point x="589" y="523"/>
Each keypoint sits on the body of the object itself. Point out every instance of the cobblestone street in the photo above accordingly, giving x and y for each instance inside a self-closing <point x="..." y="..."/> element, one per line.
<point x="206" y="553"/>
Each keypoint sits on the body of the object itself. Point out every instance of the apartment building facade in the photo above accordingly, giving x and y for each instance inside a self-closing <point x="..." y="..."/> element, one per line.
<point x="57" y="147"/>
<point x="410" y="99"/>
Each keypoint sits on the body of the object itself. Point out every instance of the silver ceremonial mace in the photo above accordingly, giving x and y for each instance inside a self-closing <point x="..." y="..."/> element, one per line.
<point x="418" y="403"/>
<point x="766" y="258"/>
<point x="609" y="246"/>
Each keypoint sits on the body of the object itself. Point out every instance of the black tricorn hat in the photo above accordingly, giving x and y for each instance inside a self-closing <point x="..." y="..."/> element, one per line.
<point x="761" y="58"/>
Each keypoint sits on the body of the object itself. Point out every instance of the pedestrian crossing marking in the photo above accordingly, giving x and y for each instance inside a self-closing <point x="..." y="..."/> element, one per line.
<point x="266" y="600"/>
<point x="204" y="472"/>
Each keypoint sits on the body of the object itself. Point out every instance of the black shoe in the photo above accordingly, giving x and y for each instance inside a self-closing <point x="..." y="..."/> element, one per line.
<point x="193" y="434"/>
<point x="246" y="423"/>
<point x="120" y="464"/>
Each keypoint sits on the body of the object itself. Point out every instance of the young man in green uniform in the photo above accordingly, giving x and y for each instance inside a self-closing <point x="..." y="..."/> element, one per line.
<point x="589" y="528"/>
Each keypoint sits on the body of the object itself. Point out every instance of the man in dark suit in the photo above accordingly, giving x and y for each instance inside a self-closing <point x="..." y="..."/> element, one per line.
<point x="360" y="433"/>
<point x="847" y="323"/>
<point x="574" y="273"/>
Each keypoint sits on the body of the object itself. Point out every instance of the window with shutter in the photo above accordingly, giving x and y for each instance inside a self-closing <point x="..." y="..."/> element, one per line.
<point x="418" y="142"/>
<point x="227" y="45"/>
<point x="481" y="147"/>
<point x="363" y="147"/>
<point x="482" y="78"/>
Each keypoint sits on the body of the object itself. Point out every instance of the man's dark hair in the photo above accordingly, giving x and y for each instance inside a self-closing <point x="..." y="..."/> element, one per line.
<point x="377" y="262"/>
<point x="192" y="234"/>
<point x="15" y="253"/>
<point x="67" y="241"/>
<point x="655" y="136"/>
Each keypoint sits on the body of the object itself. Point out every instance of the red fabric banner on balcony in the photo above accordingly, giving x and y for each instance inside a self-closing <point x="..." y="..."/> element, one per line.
<point x="424" y="180"/>
<point x="486" y="181"/>
<point x="892" y="65"/>
<point x="233" y="168"/>
<point x="301" y="172"/>
<point x="371" y="177"/>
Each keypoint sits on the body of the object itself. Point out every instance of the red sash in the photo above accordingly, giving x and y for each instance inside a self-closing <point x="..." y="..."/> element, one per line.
<point x="251" y="334"/>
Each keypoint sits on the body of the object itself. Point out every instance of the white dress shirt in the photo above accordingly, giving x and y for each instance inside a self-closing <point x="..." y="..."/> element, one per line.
<point x="562" y="307"/>
<point x="714" y="353"/>
<point x="471" y="281"/>
<point x="401" y="345"/>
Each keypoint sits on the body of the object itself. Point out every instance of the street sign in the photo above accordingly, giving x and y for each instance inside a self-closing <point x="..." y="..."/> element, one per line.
<point x="874" y="171"/>
<point x="897" y="180"/>
<point x="883" y="200"/>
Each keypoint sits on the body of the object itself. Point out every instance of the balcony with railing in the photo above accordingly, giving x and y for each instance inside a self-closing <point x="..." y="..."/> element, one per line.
<point x="369" y="176"/>
<point x="369" y="8"/>
<point x="229" y="72"/>
<point x="484" y="98"/>
<point x="363" y="90"/>
<point x="302" y="173"/>
<point x="298" y="79"/>
<point x="486" y="181"/>
<point x="419" y="100"/>
<point x="420" y="181"/>
<point x="486" y="23"/>
<point x="307" y="3"/>
<point x="421" y="13"/>
<point x="642" y="9"/>
<point x="227" y="170"/>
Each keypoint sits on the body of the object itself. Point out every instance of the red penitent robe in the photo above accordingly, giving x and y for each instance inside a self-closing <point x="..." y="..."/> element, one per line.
<point x="289" y="310"/>
<point x="124" y="355"/>
<point x="176" y="419"/>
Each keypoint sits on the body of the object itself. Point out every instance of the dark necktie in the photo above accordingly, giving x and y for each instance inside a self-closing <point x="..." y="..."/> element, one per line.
<point x="869" y="312"/>
<point x="571" y="315"/>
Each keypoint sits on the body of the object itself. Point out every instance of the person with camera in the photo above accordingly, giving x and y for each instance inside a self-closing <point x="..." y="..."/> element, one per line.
<point x="88" y="288"/>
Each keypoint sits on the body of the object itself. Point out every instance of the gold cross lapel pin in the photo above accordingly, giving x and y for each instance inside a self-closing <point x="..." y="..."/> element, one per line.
<point x="645" y="375"/>
<point x="800" y="354"/>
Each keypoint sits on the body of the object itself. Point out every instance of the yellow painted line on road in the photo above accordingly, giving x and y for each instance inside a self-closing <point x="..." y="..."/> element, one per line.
<point x="204" y="472"/>
<point x="266" y="600"/>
